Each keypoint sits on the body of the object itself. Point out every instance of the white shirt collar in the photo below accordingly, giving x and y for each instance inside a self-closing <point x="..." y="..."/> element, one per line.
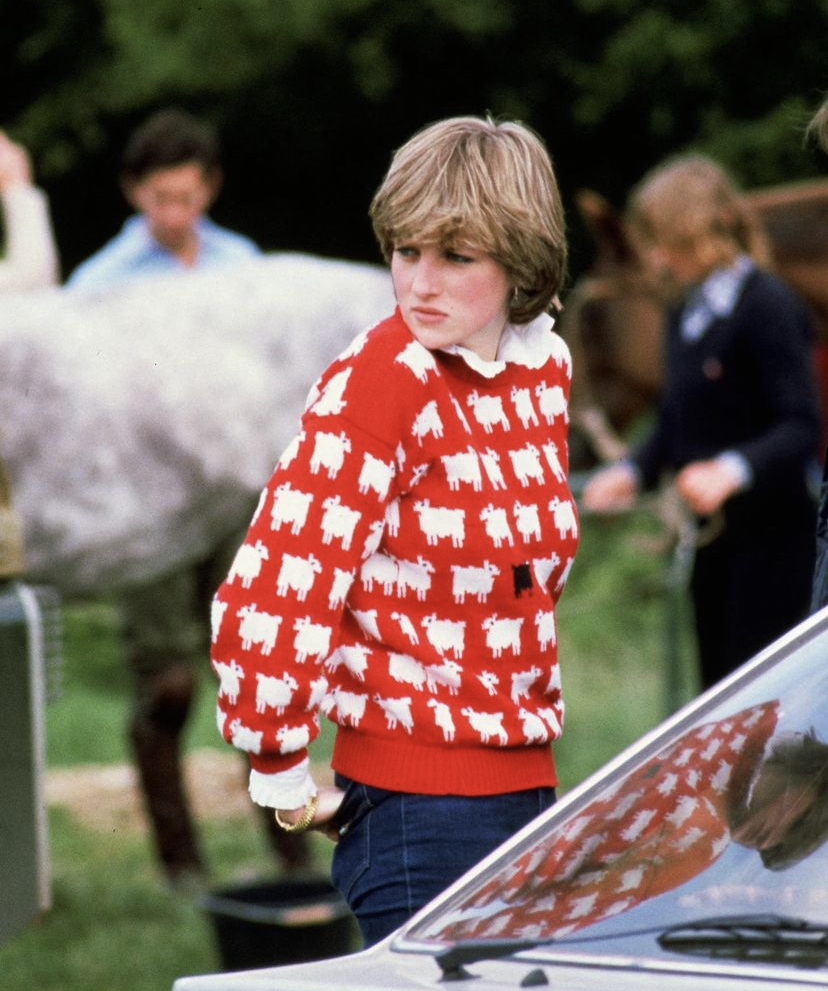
<point x="531" y="344"/>
<point x="714" y="298"/>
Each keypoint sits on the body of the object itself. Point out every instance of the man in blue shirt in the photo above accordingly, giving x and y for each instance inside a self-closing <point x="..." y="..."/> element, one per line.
<point x="171" y="175"/>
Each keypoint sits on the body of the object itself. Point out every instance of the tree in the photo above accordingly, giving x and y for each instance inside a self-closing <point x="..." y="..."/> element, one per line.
<point x="311" y="96"/>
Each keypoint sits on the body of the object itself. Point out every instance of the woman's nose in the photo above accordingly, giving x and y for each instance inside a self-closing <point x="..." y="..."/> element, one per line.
<point x="425" y="281"/>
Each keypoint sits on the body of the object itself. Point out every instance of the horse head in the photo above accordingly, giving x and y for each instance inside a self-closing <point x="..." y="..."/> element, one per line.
<point x="612" y="323"/>
<point x="615" y="313"/>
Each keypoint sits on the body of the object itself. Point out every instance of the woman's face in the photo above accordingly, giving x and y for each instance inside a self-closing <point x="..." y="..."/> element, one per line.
<point x="775" y="806"/>
<point x="680" y="263"/>
<point x="451" y="295"/>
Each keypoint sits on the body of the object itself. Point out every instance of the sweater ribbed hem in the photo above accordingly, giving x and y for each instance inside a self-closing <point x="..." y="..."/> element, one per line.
<point x="402" y="765"/>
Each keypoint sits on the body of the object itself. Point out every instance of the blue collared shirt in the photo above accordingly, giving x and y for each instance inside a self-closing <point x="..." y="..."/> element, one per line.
<point x="134" y="253"/>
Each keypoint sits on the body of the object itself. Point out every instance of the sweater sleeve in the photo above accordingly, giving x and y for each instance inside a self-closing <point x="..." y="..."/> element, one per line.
<point x="31" y="260"/>
<point x="277" y="616"/>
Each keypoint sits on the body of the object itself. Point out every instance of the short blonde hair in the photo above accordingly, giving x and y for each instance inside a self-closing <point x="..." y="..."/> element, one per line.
<point x="490" y="184"/>
<point x="691" y="202"/>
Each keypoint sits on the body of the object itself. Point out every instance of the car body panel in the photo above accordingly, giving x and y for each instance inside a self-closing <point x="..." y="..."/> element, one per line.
<point x="379" y="969"/>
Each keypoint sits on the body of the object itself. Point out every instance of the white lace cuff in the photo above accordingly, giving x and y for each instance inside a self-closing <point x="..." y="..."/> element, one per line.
<point x="286" y="790"/>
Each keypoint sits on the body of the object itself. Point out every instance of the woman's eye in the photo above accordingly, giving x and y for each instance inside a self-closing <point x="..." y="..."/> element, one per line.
<point x="455" y="256"/>
<point x="406" y="251"/>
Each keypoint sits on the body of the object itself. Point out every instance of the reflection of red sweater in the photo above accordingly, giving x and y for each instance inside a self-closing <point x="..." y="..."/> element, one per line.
<point x="655" y="831"/>
<point x="402" y="572"/>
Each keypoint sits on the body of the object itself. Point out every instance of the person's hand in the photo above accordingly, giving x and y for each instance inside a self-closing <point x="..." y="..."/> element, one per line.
<point x="329" y="800"/>
<point x="610" y="490"/>
<point x="15" y="168"/>
<point x="706" y="485"/>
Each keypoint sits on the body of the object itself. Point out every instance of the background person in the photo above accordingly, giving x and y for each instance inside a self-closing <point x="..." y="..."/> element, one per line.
<point x="171" y="175"/>
<point x="11" y="532"/>
<point x="403" y="567"/>
<point x="738" y="420"/>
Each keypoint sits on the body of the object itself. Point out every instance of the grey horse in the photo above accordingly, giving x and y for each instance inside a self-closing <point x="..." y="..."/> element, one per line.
<point x="138" y="427"/>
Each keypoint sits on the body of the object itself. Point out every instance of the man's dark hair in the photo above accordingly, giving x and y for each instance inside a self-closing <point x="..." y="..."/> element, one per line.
<point x="169" y="138"/>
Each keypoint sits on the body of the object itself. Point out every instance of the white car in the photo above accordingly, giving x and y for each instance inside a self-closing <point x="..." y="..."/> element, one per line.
<point x="694" y="861"/>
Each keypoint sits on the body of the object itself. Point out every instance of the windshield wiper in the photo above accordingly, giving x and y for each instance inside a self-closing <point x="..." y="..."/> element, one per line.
<point x="768" y="938"/>
<point x="452" y="959"/>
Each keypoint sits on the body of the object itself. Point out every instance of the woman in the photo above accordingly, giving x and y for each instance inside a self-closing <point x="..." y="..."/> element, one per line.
<point x="403" y="567"/>
<point x="738" y="422"/>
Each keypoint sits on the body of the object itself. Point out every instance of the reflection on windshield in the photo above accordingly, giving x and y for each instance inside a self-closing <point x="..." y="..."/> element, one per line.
<point x="731" y="780"/>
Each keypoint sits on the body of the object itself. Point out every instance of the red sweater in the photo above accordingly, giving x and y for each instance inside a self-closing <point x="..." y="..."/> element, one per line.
<point x="402" y="569"/>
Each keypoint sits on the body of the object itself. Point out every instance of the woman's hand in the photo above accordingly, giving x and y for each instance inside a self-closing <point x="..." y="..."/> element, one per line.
<point x="329" y="799"/>
<point x="610" y="490"/>
<point x="706" y="485"/>
<point x="15" y="168"/>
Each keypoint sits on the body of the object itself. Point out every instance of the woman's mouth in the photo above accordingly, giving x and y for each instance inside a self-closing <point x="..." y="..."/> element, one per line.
<point x="427" y="314"/>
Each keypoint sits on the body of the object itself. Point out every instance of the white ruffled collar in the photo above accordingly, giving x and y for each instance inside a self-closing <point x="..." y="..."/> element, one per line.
<point x="530" y="344"/>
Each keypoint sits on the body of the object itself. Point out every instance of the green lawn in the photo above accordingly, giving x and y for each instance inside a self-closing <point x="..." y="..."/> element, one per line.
<point x="113" y="926"/>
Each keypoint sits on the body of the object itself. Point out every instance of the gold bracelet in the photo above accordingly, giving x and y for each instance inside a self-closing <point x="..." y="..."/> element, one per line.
<point x="303" y="821"/>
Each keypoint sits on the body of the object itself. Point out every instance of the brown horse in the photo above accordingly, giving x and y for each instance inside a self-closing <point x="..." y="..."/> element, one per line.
<point x="614" y="314"/>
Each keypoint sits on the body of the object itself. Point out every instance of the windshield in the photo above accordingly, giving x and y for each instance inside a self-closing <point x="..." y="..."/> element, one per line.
<point x="726" y="815"/>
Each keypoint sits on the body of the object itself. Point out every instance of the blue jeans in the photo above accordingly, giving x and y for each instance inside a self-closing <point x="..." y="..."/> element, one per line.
<point x="397" y="851"/>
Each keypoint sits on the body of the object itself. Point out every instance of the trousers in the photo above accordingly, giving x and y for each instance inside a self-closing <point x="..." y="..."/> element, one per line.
<point x="748" y="588"/>
<point x="165" y="628"/>
<point x="397" y="850"/>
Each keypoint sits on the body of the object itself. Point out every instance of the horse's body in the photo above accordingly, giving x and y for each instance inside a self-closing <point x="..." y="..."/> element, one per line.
<point x="139" y="425"/>
<point x="614" y="316"/>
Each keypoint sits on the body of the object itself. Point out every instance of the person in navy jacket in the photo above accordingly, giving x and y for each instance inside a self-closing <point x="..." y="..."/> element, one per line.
<point x="738" y="421"/>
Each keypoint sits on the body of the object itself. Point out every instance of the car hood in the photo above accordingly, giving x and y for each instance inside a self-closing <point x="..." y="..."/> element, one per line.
<point x="384" y="969"/>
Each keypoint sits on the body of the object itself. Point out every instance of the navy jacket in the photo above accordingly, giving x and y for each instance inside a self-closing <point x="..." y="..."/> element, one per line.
<point x="746" y="385"/>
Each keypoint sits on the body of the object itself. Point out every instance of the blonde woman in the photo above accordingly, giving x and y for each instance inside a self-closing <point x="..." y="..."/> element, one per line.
<point x="738" y="423"/>
<point x="403" y="569"/>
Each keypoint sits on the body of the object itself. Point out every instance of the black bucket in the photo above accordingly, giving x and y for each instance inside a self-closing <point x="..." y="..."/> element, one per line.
<point x="280" y="922"/>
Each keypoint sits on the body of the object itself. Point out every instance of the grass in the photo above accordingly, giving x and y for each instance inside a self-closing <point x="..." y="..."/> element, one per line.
<point x="108" y="928"/>
<point x="113" y="926"/>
